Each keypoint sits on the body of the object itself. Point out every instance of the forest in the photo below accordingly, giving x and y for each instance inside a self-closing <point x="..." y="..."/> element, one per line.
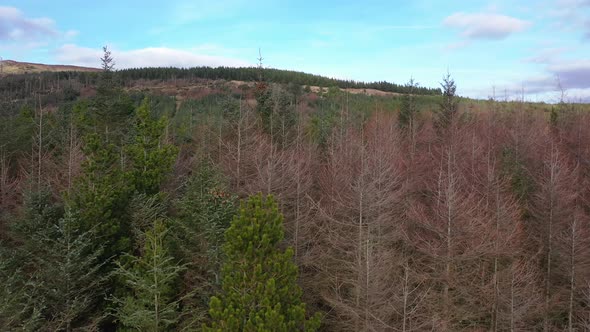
<point x="270" y="207"/>
<point x="55" y="87"/>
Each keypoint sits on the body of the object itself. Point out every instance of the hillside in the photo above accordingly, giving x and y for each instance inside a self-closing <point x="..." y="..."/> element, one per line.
<point x="244" y="74"/>
<point x="16" y="67"/>
<point x="447" y="202"/>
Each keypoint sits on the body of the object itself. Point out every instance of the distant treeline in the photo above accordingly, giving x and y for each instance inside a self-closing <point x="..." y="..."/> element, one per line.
<point x="268" y="74"/>
<point x="19" y="86"/>
<point x="51" y="88"/>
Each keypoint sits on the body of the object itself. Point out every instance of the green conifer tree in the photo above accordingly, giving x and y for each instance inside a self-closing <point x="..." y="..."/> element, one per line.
<point x="151" y="305"/>
<point x="449" y="106"/>
<point x="409" y="109"/>
<point x="20" y="308"/>
<point x="70" y="272"/>
<point x="111" y="107"/>
<point x="206" y="210"/>
<point x="101" y="196"/>
<point x="56" y="278"/>
<point x="24" y="297"/>
<point x="260" y="291"/>
<point x="264" y="104"/>
<point x="151" y="157"/>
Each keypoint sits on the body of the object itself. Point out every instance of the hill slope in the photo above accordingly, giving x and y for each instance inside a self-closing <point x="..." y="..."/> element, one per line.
<point x="16" y="67"/>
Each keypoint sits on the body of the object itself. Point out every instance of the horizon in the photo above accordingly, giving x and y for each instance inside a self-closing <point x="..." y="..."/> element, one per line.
<point x="486" y="46"/>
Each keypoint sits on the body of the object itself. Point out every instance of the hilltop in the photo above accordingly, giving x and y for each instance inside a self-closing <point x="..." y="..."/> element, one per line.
<point x="16" y="67"/>
<point x="244" y="74"/>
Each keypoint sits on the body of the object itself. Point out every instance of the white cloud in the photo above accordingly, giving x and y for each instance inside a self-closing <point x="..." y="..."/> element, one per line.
<point x="146" y="57"/>
<point x="547" y="55"/>
<point x="571" y="75"/>
<point x="572" y="15"/>
<point x="15" y="26"/>
<point x="485" y="25"/>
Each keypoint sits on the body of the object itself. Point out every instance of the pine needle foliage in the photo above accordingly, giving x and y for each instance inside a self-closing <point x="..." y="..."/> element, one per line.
<point x="259" y="287"/>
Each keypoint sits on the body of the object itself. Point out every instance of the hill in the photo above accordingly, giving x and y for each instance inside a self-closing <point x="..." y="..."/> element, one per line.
<point x="16" y="67"/>
<point x="449" y="206"/>
<point x="245" y="74"/>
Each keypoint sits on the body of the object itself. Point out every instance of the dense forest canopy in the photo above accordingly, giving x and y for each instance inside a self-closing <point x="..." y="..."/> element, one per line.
<point x="252" y="74"/>
<point x="273" y="208"/>
<point x="20" y="85"/>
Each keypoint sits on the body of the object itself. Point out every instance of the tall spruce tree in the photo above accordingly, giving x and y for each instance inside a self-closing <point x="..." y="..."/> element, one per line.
<point x="150" y="156"/>
<point x="70" y="273"/>
<point x="449" y="105"/>
<point x="206" y="210"/>
<point x="409" y="109"/>
<point x="101" y="196"/>
<point x="259" y="287"/>
<point x="20" y="306"/>
<point x="264" y="104"/>
<point x="56" y="279"/>
<point x="151" y="304"/>
<point x="111" y="107"/>
<point x="25" y="298"/>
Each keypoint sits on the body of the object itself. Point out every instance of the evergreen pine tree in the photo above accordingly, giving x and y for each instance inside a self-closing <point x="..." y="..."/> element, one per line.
<point x="151" y="304"/>
<point x="26" y="297"/>
<point x="56" y="279"/>
<point x="101" y="196"/>
<point x="553" y="117"/>
<point x="205" y="210"/>
<point x="111" y="107"/>
<point x="108" y="64"/>
<point x="409" y="109"/>
<point x="151" y="157"/>
<point x="40" y="213"/>
<point x="449" y="104"/>
<point x="20" y="306"/>
<point x="259" y="287"/>
<point x="264" y="104"/>
<point x="70" y="272"/>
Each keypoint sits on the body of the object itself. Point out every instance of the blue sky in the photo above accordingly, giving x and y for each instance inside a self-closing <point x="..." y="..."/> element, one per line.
<point x="509" y="45"/>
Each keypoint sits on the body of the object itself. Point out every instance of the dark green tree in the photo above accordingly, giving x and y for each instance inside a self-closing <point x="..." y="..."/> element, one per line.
<point x="264" y="104"/>
<point x="70" y="274"/>
<point x="259" y="287"/>
<point x="449" y="106"/>
<point x="553" y="117"/>
<point x="206" y="209"/>
<point x="40" y="212"/>
<point x="151" y="304"/>
<point x="17" y="132"/>
<point x="285" y="116"/>
<point x="276" y="109"/>
<point x="150" y="155"/>
<point x="111" y="108"/>
<point x="56" y="280"/>
<point x="409" y="109"/>
<point x="107" y="61"/>
<point x="26" y="296"/>
<point x="102" y="195"/>
<point x="21" y="308"/>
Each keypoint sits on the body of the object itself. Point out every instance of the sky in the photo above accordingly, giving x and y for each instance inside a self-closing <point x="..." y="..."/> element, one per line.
<point x="506" y="49"/>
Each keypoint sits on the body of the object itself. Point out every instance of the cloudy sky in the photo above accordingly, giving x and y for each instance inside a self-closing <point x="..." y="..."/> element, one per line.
<point x="530" y="45"/>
